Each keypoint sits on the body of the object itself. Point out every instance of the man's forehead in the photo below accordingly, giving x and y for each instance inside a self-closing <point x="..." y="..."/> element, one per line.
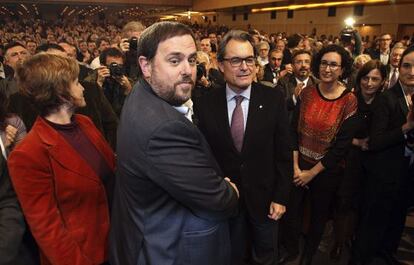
<point x="205" y="41"/>
<point x="15" y="49"/>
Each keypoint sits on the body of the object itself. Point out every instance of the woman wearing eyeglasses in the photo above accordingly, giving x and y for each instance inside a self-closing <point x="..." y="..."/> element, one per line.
<point x="323" y="127"/>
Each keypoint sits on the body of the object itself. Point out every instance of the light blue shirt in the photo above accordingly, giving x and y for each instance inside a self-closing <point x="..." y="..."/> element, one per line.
<point x="231" y="103"/>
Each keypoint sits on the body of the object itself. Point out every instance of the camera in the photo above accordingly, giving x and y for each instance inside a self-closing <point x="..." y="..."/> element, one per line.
<point x="116" y="70"/>
<point x="133" y="43"/>
<point x="201" y="70"/>
<point x="347" y="34"/>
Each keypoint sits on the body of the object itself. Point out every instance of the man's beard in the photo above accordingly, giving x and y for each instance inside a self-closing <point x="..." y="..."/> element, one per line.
<point x="169" y="94"/>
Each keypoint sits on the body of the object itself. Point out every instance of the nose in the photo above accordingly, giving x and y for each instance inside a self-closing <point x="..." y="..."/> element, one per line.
<point x="369" y="82"/>
<point x="186" y="68"/>
<point x="243" y="65"/>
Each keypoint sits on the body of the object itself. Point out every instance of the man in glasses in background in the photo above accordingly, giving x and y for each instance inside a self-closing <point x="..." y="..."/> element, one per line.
<point x="246" y="125"/>
<point x="383" y="53"/>
<point x="293" y="83"/>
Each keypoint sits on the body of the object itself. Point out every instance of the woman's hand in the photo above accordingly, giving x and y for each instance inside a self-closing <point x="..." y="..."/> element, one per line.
<point x="303" y="178"/>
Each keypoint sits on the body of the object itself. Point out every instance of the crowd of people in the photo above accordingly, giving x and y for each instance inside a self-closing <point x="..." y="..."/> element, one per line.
<point x="192" y="144"/>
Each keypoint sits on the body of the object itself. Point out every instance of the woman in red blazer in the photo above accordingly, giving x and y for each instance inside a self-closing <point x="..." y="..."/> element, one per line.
<point x="62" y="170"/>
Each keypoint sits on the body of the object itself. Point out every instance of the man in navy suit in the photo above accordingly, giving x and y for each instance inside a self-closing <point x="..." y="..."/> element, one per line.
<point x="171" y="201"/>
<point x="246" y="125"/>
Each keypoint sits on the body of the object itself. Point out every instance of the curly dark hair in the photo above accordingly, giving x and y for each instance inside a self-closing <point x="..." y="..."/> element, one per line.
<point x="346" y="60"/>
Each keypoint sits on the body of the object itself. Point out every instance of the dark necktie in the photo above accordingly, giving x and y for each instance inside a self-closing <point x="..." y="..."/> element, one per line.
<point x="393" y="79"/>
<point x="237" y="124"/>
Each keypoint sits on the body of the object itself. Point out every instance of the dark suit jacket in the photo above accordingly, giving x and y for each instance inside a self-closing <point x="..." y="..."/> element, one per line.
<point x="387" y="141"/>
<point x="268" y="73"/>
<point x="63" y="199"/>
<point x="12" y="225"/>
<point x="287" y="85"/>
<point x="97" y="108"/>
<point x="263" y="169"/>
<point x="171" y="201"/>
<point x="376" y="54"/>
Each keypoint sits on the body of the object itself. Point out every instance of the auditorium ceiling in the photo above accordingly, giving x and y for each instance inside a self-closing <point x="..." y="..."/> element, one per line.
<point x="159" y="8"/>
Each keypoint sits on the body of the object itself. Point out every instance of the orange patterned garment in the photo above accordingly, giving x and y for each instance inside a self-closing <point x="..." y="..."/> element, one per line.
<point x="320" y="120"/>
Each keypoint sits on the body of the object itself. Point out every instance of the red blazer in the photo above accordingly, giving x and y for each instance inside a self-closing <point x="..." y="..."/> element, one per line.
<point x="62" y="198"/>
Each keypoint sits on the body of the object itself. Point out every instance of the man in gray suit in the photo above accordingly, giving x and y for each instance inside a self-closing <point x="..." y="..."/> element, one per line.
<point x="171" y="201"/>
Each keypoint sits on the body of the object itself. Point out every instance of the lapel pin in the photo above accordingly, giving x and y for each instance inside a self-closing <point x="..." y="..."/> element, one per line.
<point x="260" y="106"/>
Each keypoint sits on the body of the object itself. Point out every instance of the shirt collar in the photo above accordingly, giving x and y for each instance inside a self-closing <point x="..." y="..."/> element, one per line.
<point x="305" y="82"/>
<point x="230" y="94"/>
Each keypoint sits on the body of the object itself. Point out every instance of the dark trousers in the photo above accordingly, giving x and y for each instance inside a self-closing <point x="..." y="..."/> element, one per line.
<point x="321" y="191"/>
<point x="253" y="242"/>
<point x="382" y="218"/>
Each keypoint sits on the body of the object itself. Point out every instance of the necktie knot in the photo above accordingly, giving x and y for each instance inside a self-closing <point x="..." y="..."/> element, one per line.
<point x="239" y="99"/>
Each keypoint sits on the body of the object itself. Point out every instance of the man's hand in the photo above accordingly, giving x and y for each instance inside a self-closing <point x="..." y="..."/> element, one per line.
<point x="103" y="72"/>
<point x="361" y="143"/>
<point x="234" y="186"/>
<point x="86" y="57"/>
<point x="276" y="211"/>
<point x="124" y="45"/>
<point x="11" y="133"/>
<point x="124" y="82"/>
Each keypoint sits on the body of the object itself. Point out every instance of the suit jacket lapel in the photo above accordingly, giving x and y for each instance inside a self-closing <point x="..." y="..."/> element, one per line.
<point x="220" y="113"/>
<point x="255" y="107"/>
<point x="401" y="99"/>
<point x="62" y="152"/>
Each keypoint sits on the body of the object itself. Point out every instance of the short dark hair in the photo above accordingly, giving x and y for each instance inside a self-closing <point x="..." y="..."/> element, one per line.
<point x="239" y="35"/>
<point x="406" y="52"/>
<point x="49" y="46"/>
<point x="113" y="52"/>
<point x="100" y="40"/>
<point x="12" y="45"/>
<point x="152" y="36"/>
<point x="368" y="67"/>
<point x="346" y="60"/>
<point x="45" y="79"/>
<point x="298" y="52"/>
<point x="293" y="41"/>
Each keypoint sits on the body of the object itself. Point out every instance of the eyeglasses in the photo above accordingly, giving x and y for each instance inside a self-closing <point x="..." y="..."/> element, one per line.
<point x="333" y="66"/>
<point x="237" y="62"/>
<point x="307" y="62"/>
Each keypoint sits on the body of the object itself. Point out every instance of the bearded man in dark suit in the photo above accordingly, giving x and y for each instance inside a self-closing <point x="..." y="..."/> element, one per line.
<point x="171" y="201"/>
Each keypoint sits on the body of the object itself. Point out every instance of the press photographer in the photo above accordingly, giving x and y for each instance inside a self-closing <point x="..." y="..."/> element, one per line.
<point x="112" y="79"/>
<point x="128" y="45"/>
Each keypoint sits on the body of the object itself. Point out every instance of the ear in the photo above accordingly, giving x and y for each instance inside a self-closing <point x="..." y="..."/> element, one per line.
<point x="145" y="66"/>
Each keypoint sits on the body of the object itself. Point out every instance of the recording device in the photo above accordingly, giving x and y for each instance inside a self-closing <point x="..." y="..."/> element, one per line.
<point x="133" y="43"/>
<point x="201" y="70"/>
<point x="116" y="70"/>
<point x="347" y="34"/>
